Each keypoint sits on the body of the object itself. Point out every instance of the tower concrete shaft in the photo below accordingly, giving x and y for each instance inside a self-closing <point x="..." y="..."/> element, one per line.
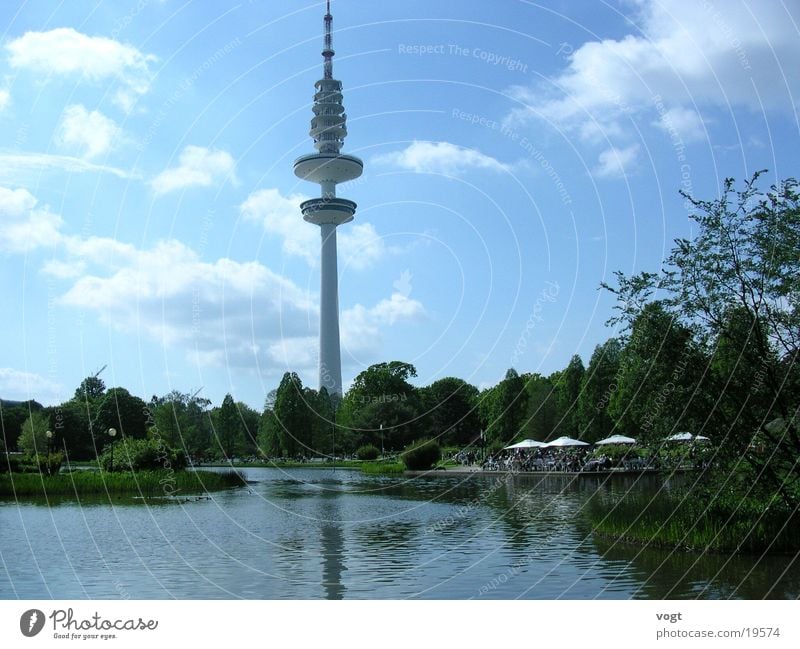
<point x="328" y="167"/>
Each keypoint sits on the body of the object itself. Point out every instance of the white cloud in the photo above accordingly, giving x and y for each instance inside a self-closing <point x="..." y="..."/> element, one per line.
<point x="616" y="163"/>
<point x="64" y="269"/>
<point x="299" y="352"/>
<point x="92" y="133"/>
<point x="23" y="225"/>
<point x="686" y="54"/>
<point x="682" y="124"/>
<point x="219" y="312"/>
<point x="20" y="168"/>
<point x="440" y="158"/>
<point x="5" y="99"/>
<point x="280" y="215"/>
<point x="359" y="244"/>
<point x="18" y="385"/>
<point x="198" y="167"/>
<point x="362" y="328"/>
<point x="222" y="313"/>
<point x="67" y="52"/>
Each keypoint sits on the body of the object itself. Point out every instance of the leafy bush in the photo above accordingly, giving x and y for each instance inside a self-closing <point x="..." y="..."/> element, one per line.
<point x="158" y="484"/>
<point x="382" y="468"/>
<point x="421" y="455"/>
<point x="142" y="455"/>
<point x="367" y="452"/>
<point x="10" y="463"/>
<point x="48" y="463"/>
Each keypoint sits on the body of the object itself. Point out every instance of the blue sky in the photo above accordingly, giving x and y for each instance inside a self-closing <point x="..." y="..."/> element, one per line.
<point x="516" y="154"/>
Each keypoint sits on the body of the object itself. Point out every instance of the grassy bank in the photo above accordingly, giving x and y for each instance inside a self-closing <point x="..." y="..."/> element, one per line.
<point x="141" y="483"/>
<point x="695" y="523"/>
<point x="374" y="468"/>
<point x="279" y="464"/>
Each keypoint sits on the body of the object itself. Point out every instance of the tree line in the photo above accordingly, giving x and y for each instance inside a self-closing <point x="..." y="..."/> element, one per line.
<point x="709" y="344"/>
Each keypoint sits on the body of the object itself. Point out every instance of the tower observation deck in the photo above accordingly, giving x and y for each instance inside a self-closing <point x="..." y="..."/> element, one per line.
<point x="328" y="167"/>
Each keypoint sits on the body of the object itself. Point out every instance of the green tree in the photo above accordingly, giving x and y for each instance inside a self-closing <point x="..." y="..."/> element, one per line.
<point x="12" y="415"/>
<point x="119" y="409"/>
<point x="599" y="383"/>
<point x="170" y="418"/>
<point x="292" y="416"/>
<point x="199" y="434"/>
<point x="736" y="284"/>
<point x="542" y="412"/>
<point x="269" y="441"/>
<point x="451" y="413"/>
<point x="381" y="394"/>
<point x="321" y="416"/>
<point x="503" y="409"/>
<point x="568" y="389"/>
<point x="249" y="420"/>
<point x="90" y="389"/>
<point x="658" y="382"/>
<point x="229" y="428"/>
<point x="33" y="439"/>
<point x="73" y="430"/>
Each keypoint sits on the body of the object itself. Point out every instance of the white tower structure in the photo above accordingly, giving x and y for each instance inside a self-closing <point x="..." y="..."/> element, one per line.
<point x="328" y="167"/>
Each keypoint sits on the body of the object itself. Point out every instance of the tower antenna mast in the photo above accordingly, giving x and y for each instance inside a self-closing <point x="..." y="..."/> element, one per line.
<point x="328" y="167"/>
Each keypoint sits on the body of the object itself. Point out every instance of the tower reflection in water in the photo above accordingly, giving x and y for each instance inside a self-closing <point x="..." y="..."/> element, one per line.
<point x="332" y="542"/>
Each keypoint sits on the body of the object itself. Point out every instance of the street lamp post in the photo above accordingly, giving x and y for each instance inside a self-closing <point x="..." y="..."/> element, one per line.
<point x="112" y="432"/>
<point x="49" y="435"/>
<point x="382" y="453"/>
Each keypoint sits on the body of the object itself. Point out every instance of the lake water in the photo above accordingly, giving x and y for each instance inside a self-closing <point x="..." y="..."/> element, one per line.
<point x="319" y="533"/>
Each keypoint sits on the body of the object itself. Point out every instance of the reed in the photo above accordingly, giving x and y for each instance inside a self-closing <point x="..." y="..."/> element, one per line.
<point x="687" y="522"/>
<point x="374" y="468"/>
<point x="147" y="484"/>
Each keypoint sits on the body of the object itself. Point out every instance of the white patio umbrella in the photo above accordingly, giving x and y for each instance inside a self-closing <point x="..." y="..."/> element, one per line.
<point x="687" y="437"/>
<point x="527" y="443"/>
<point x="565" y="441"/>
<point x="616" y="439"/>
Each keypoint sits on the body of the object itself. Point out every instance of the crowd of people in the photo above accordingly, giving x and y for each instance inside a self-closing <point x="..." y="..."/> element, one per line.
<point x="571" y="459"/>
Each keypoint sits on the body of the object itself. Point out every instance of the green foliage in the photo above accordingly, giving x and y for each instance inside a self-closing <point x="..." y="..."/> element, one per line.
<point x="724" y="523"/>
<point x="542" y="410"/>
<point x="451" y="412"/>
<point x="183" y="421"/>
<point x="143" y="483"/>
<point x="382" y="468"/>
<point x="142" y="455"/>
<point x="503" y="407"/>
<point x="367" y="452"/>
<point x="33" y="439"/>
<point x="12" y="415"/>
<point x="227" y="427"/>
<point x="90" y="389"/>
<point x="421" y="455"/>
<point x="268" y="440"/>
<point x="293" y="417"/>
<point x="599" y="383"/>
<point x="568" y="390"/>
<point x="735" y="290"/>
<point x="48" y="463"/>
<point x="44" y="463"/>
<point x="119" y="409"/>
<point x="381" y="394"/>
<point x="660" y="369"/>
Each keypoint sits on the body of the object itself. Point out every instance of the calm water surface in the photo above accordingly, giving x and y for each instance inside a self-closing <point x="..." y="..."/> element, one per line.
<point x="318" y="533"/>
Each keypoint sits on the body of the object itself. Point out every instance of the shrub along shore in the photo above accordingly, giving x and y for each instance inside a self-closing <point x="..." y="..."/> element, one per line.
<point x="697" y="521"/>
<point x="148" y="484"/>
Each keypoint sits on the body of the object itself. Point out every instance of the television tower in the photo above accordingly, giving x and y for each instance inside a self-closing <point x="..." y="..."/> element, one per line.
<point x="328" y="167"/>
